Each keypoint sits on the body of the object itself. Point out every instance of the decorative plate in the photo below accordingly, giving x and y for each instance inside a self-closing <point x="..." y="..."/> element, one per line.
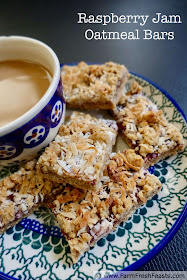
<point x="35" y="248"/>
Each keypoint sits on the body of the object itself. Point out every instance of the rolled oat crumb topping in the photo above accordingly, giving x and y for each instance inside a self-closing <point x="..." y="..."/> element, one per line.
<point x="84" y="217"/>
<point x="143" y="126"/>
<point x="93" y="85"/>
<point x="22" y="191"/>
<point x="80" y="151"/>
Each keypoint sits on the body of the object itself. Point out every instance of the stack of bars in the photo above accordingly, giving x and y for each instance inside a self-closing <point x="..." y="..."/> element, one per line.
<point x="89" y="188"/>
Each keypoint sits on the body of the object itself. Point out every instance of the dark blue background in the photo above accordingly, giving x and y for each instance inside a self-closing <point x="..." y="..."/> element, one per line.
<point x="164" y="62"/>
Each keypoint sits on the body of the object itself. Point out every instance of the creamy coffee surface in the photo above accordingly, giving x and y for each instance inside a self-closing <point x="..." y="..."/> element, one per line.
<point x="22" y="85"/>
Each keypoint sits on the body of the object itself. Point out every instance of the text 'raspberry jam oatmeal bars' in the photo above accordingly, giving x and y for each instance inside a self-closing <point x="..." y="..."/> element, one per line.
<point x="85" y="216"/>
<point x="22" y="193"/>
<point x="144" y="127"/>
<point x="80" y="151"/>
<point x="93" y="86"/>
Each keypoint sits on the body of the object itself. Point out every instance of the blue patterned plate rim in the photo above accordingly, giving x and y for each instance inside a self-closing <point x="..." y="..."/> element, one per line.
<point x="147" y="257"/>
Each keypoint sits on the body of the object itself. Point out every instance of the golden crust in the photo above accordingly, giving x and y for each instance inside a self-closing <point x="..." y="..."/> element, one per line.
<point x="85" y="217"/>
<point x="144" y="127"/>
<point x="96" y="86"/>
<point x="80" y="151"/>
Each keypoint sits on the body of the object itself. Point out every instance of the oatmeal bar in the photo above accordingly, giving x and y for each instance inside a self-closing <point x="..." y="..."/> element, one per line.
<point x="93" y="86"/>
<point x="144" y="127"/>
<point x="80" y="151"/>
<point x="81" y="122"/>
<point x="22" y="193"/>
<point x="85" y="216"/>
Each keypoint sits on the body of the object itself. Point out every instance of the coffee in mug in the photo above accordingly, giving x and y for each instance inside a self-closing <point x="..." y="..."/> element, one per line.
<point x="22" y="85"/>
